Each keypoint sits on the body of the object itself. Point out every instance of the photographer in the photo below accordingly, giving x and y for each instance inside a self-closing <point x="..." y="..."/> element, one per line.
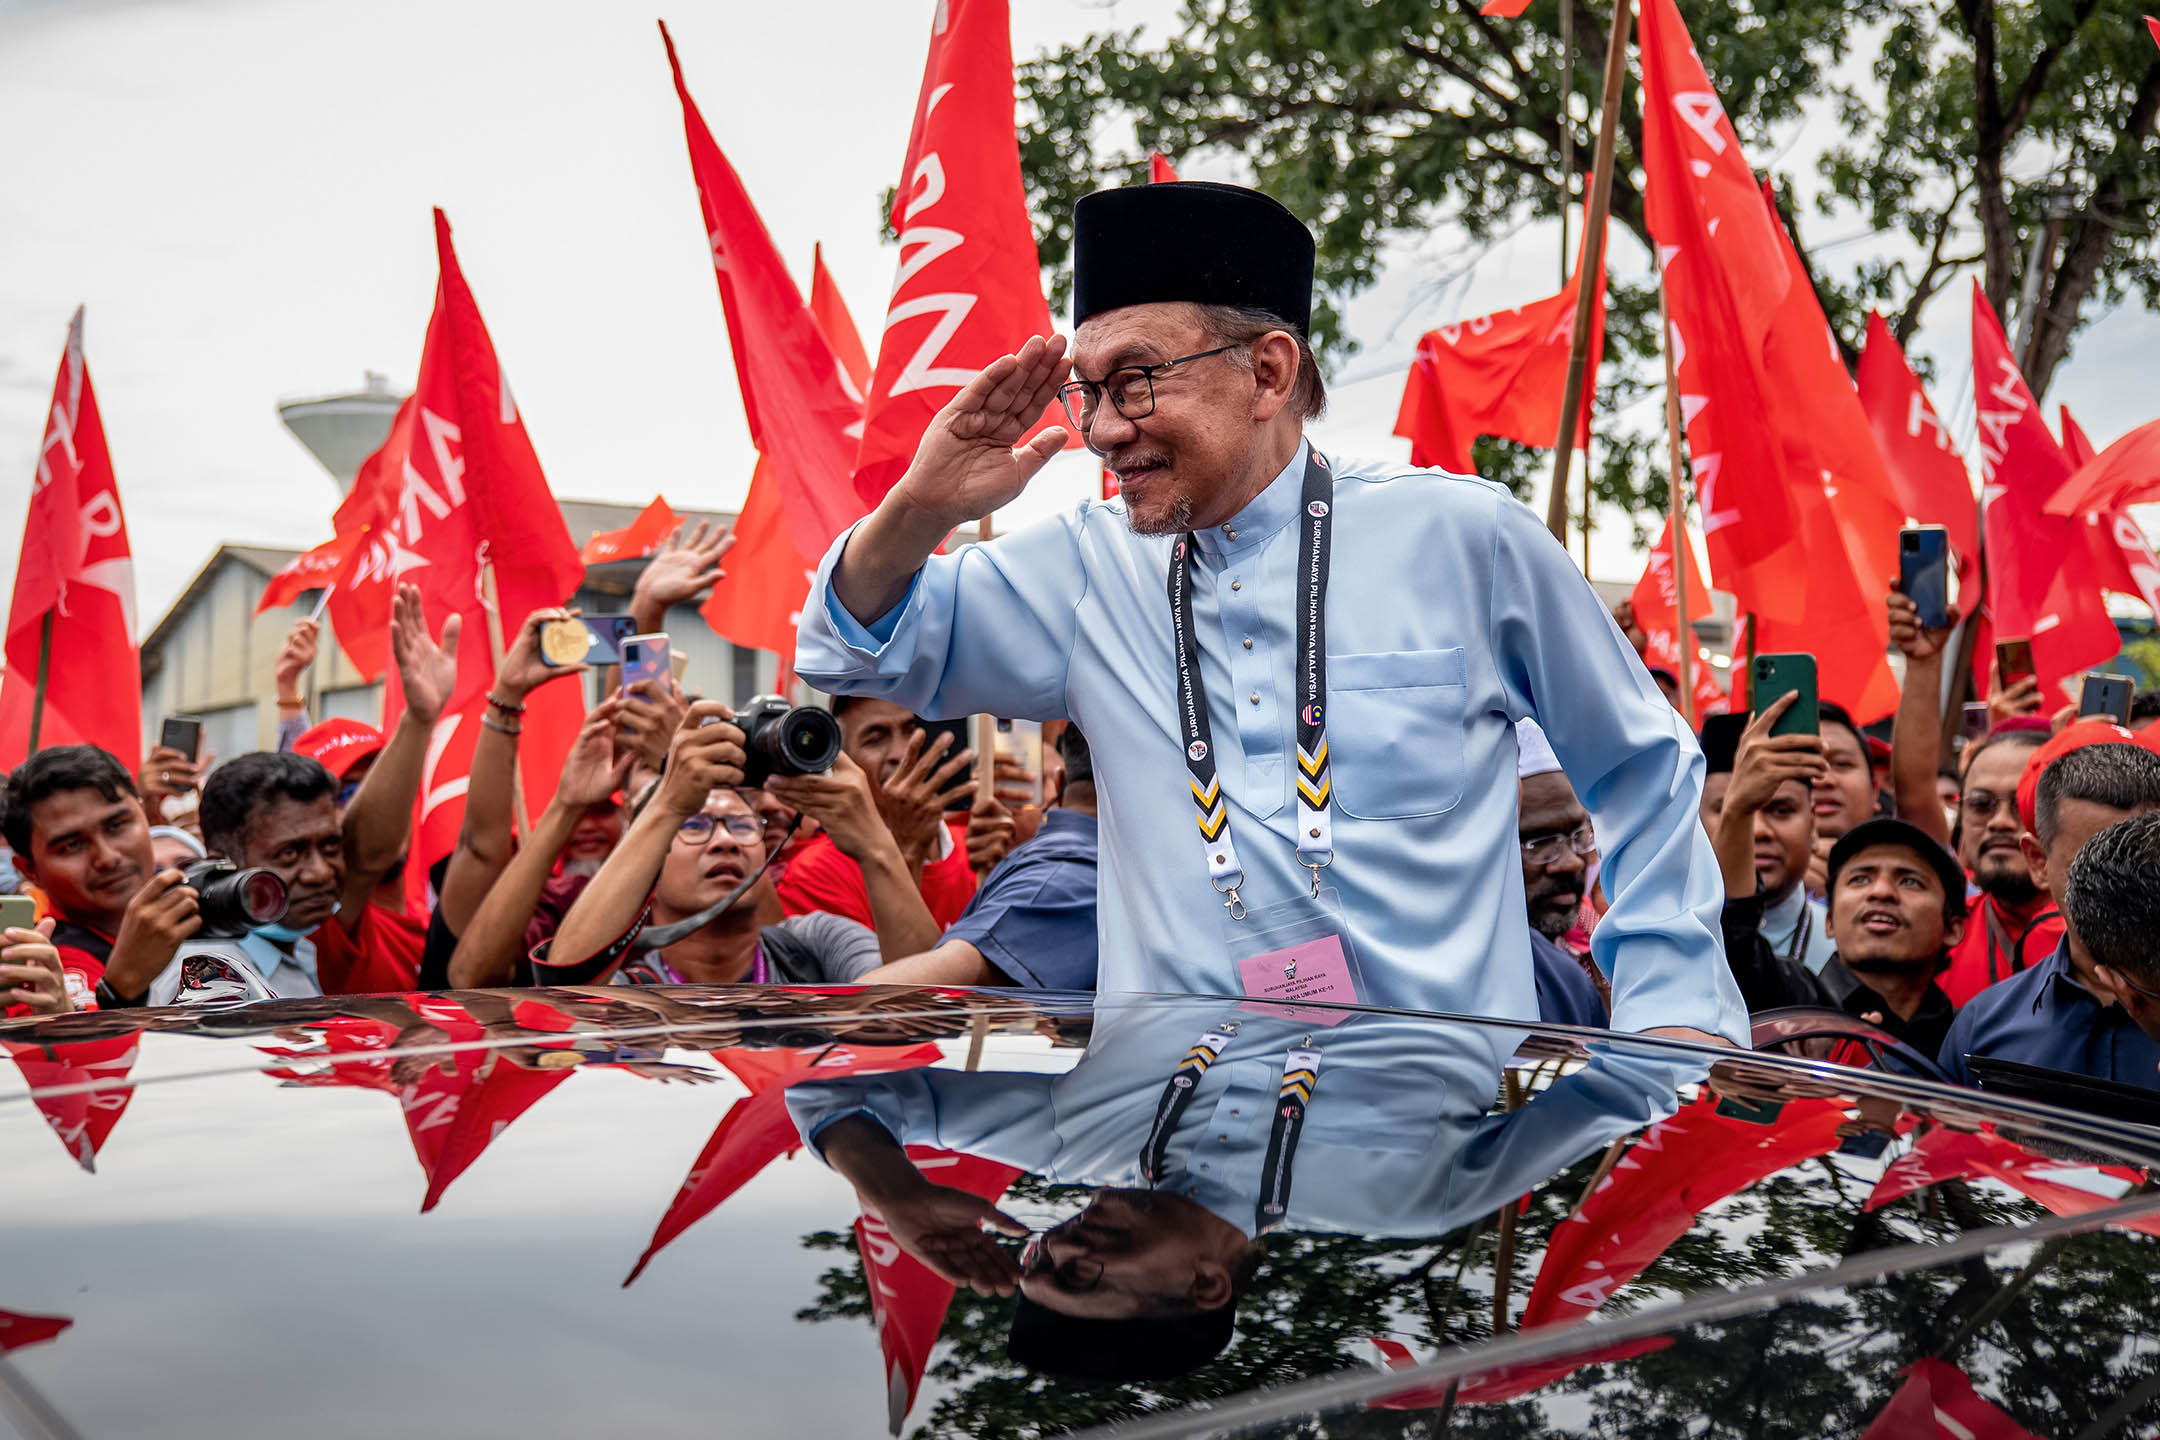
<point x="695" y="844"/>
<point x="76" y="825"/>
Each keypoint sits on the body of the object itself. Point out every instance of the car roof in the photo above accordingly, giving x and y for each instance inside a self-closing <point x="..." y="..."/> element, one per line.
<point x="561" y="1209"/>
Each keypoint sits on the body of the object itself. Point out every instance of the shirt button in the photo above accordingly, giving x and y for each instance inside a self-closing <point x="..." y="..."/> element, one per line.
<point x="1237" y="584"/>
<point x="1230" y="531"/>
<point x="1254" y="697"/>
<point x="1248" y="642"/>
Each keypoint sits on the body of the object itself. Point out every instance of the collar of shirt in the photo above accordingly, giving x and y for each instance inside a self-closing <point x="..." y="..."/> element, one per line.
<point x="1066" y="823"/>
<point x="266" y="957"/>
<point x="2059" y="984"/>
<point x="1266" y="513"/>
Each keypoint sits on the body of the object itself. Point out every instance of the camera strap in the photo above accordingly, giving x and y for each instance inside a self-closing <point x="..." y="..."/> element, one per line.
<point x="659" y="937"/>
<point x="1315" y="841"/>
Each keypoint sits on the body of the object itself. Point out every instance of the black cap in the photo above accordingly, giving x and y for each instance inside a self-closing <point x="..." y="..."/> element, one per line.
<point x="1886" y="831"/>
<point x="1151" y="1347"/>
<point x="1191" y="240"/>
<point x="1721" y="741"/>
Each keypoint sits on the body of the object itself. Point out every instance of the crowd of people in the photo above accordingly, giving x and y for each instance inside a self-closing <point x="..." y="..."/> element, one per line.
<point x="1991" y="906"/>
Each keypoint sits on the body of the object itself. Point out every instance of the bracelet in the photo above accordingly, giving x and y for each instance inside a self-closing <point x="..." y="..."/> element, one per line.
<point x="505" y="706"/>
<point x="284" y="704"/>
<point x="499" y="728"/>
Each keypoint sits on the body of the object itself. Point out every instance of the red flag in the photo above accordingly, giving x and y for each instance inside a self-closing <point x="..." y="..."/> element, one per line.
<point x="452" y="1118"/>
<point x="907" y="1299"/>
<point x="1510" y="1382"/>
<point x="1925" y="467"/>
<point x="757" y="601"/>
<point x="2038" y="583"/>
<point x="1937" y="1402"/>
<point x="636" y="540"/>
<point x="363" y="586"/>
<point x="84" y="1114"/>
<point x="1942" y="1153"/>
<point x="1158" y="168"/>
<point x="309" y="570"/>
<point x="2075" y="442"/>
<point x="838" y="327"/>
<point x="472" y="499"/>
<point x="1503" y="374"/>
<point x="756" y="1129"/>
<point x="969" y="289"/>
<point x="77" y="568"/>
<point x="1503" y="9"/>
<point x="2126" y="473"/>
<point x="1725" y="276"/>
<point x="1673" y="1172"/>
<point x="1656" y="602"/>
<point x="18" y="1330"/>
<point x="793" y="390"/>
<point x="2154" y="26"/>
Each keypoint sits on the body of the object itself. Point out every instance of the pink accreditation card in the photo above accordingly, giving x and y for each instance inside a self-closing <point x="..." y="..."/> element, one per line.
<point x="1315" y="969"/>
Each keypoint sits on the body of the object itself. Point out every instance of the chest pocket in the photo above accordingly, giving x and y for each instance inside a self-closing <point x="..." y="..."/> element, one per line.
<point x="1395" y="731"/>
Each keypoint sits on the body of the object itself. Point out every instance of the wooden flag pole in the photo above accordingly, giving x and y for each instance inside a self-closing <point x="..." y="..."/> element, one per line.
<point x="44" y="674"/>
<point x="986" y="731"/>
<point x="1593" y="267"/>
<point x="519" y="819"/>
<point x="1682" y="548"/>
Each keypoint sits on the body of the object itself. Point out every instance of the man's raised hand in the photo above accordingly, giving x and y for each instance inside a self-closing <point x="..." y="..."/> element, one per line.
<point x="427" y="671"/>
<point x="971" y="460"/>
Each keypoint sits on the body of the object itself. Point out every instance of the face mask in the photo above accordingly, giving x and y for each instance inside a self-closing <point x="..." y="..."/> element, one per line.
<point x="279" y="934"/>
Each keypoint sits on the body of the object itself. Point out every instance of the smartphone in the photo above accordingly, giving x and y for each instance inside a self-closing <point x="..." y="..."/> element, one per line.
<point x="1779" y="675"/>
<point x="608" y="633"/>
<point x="963" y="738"/>
<point x="1023" y="741"/>
<point x="678" y="665"/>
<point x="1924" y="572"/>
<point x="2107" y="695"/>
<point x="2013" y="662"/>
<point x="17" y="912"/>
<point x="1974" y="725"/>
<point x="644" y="657"/>
<point x="182" y="733"/>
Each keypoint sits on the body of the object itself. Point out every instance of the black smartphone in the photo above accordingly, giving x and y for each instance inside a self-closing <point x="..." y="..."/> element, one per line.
<point x="182" y="733"/>
<point x="1924" y="572"/>
<point x="962" y="731"/>
<point x="1974" y="723"/>
<point x="2107" y="695"/>
<point x="2013" y="662"/>
<point x="1792" y="674"/>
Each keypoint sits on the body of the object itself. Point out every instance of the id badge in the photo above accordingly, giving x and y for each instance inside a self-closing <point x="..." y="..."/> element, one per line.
<point x="1296" y="950"/>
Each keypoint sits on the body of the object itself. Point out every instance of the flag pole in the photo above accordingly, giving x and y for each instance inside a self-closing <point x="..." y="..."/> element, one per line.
<point x="44" y="674"/>
<point x="1683" y="550"/>
<point x="520" y="820"/>
<point x="1592" y="270"/>
<point x="986" y="726"/>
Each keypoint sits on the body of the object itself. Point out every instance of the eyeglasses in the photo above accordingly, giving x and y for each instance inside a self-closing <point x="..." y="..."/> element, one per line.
<point x="2149" y="994"/>
<point x="1981" y="804"/>
<point x="1077" y="1275"/>
<point x="345" y="793"/>
<point x="743" y="829"/>
<point x="1131" y="389"/>
<point x="1544" y="849"/>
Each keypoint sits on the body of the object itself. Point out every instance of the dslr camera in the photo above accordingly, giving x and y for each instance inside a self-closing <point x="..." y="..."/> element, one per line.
<point x="232" y="901"/>
<point x="784" y="739"/>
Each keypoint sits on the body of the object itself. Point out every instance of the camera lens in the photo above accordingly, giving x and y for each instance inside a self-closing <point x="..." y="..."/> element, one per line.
<point x="813" y="740"/>
<point x="261" y="896"/>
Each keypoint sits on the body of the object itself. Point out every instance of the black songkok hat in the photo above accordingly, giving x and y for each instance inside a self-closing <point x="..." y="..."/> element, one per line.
<point x="1191" y="240"/>
<point x="1080" y="1347"/>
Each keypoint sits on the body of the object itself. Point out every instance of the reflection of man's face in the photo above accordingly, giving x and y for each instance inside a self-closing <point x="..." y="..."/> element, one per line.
<point x="1132" y="1253"/>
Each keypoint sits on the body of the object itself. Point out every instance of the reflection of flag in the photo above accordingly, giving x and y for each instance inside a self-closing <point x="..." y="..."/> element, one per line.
<point x="309" y="570"/>
<point x="1510" y="1382"/>
<point x="1674" y="1171"/>
<point x="1937" y="1402"/>
<point x="81" y="1119"/>
<point x="18" y="1330"/>
<point x="756" y="1129"/>
<point x="1945" y="1154"/>
<point x="907" y="1300"/>
<point x="77" y="569"/>
<point x="636" y="540"/>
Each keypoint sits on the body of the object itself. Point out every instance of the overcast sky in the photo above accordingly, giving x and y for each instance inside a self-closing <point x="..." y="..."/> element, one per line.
<point x="239" y="191"/>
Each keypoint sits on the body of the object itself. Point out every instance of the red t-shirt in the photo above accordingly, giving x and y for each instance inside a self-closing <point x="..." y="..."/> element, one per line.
<point x="1991" y="949"/>
<point x="381" y="954"/>
<point x="823" y="879"/>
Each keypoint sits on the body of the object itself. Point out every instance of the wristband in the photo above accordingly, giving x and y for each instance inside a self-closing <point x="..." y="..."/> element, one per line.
<point x="499" y="728"/>
<point x="294" y="704"/>
<point x="111" y="999"/>
<point x="505" y="706"/>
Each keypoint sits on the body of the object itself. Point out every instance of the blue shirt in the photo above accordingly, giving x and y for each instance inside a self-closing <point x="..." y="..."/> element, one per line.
<point x="1565" y="994"/>
<point x="1034" y="915"/>
<point x="1451" y="613"/>
<point x="2042" y="1016"/>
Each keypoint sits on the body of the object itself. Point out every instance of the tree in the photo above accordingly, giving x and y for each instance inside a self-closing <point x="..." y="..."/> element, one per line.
<point x="1383" y="118"/>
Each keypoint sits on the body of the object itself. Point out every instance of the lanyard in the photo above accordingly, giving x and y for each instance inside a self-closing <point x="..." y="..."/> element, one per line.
<point x="1301" y="1071"/>
<point x="1315" y="845"/>
<point x="1802" y="930"/>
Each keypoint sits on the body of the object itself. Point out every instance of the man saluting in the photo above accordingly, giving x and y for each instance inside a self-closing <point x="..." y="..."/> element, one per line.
<point x="1300" y="678"/>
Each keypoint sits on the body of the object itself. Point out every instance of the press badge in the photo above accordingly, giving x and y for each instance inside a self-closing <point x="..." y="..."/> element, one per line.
<point x="1297" y="950"/>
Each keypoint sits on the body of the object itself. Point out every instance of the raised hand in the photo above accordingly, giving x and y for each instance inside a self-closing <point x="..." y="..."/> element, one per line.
<point x="426" y="670"/>
<point x="523" y="670"/>
<point x="707" y="754"/>
<point x="1906" y="632"/>
<point x="913" y="800"/>
<point x="647" y="716"/>
<point x="592" y="771"/>
<point x="294" y="657"/>
<point x="943" y="1228"/>
<point x="679" y="572"/>
<point x="31" y="973"/>
<point x="843" y="801"/>
<point x="971" y="460"/>
<point x="1764" y="761"/>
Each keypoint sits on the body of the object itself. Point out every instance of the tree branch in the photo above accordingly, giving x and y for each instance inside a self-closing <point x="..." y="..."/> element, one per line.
<point x="2028" y="92"/>
<point x="1509" y="104"/>
<point x="1908" y="320"/>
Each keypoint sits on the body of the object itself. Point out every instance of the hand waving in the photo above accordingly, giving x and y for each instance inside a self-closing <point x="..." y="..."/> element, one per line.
<point x="971" y="460"/>
<point x="592" y="771"/>
<point x="943" y="1228"/>
<point x="681" y="570"/>
<point x="428" y="671"/>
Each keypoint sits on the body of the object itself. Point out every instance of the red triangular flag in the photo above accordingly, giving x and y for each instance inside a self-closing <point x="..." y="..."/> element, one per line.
<point x="1159" y="171"/>
<point x="18" y="1330"/>
<point x="1924" y="465"/>
<point x="309" y="570"/>
<point x="838" y="327"/>
<point x="77" y="568"/>
<point x="2154" y="26"/>
<point x="2126" y="473"/>
<point x="1502" y="374"/>
<point x="1937" y="1402"/>
<point x="2076" y="444"/>
<point x="636" y="540"/>
<point x="792" y="389"/>
<point x="89" y="1105"/>
<point x="757" y="601"/>
<point x="907" y="1299"/>
<point x="2037" y="585"/>
<point x="364" y="585"/>
<point x="1656" y="602"/>
<point x="969" y="289"/>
